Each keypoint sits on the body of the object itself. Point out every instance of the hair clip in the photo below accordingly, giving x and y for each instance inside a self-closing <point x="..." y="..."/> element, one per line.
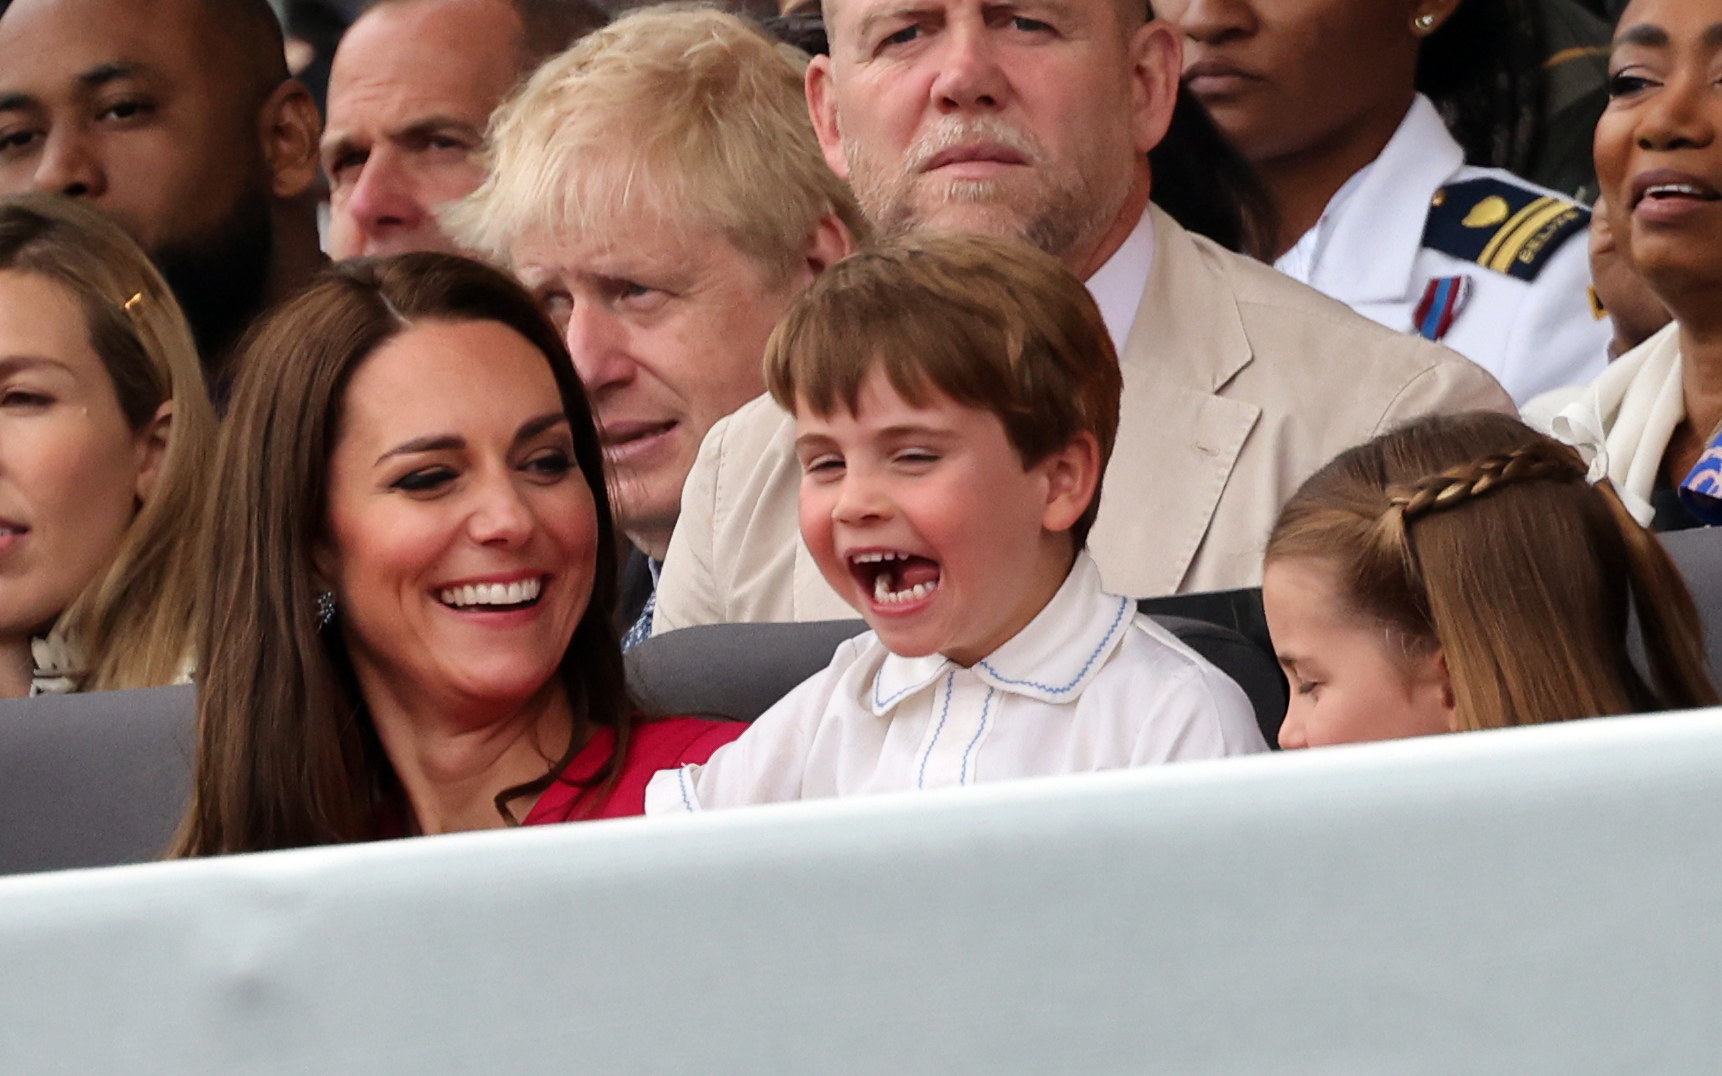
<point x="130" y="305"/>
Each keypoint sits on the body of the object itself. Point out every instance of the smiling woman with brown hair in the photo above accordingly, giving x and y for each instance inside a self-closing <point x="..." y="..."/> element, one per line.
<point x="412" y="567"/>
<point x="1656" y="413"/>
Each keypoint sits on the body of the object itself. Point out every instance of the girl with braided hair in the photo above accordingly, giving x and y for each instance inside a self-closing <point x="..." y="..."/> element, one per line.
<point x="1461" y="573"/>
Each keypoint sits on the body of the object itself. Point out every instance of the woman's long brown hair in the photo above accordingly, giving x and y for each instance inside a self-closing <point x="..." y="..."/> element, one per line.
<point x="1478" y="534"/>
<point x="287" y="755"/>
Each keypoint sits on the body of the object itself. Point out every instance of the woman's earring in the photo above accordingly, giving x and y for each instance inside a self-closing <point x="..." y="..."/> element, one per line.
<point x="1423" y="25"/>
<point x="325" y="609"/>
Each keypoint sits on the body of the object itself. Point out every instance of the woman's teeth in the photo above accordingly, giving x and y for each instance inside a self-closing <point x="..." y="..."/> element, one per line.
<point x="1675" y="190"/>
<point x="492" y="593"/>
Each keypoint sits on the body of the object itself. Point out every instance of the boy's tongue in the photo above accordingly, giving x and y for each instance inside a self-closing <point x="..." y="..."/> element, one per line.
<point x="914" y="570"/>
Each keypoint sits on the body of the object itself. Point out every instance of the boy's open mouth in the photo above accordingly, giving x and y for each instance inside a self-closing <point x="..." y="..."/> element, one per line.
<point x="895" y="577"/>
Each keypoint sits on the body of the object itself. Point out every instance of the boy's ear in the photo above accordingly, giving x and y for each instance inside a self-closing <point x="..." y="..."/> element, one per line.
<point x="1072" y="475"/>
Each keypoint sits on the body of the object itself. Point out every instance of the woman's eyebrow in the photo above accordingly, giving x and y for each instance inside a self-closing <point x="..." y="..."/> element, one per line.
<point x="1650" y="36"/>
<point x="533" y="427"/>
<point x="10" y="364"/>
<point x="436" y="442"/>
<point x="1644" y="35"/>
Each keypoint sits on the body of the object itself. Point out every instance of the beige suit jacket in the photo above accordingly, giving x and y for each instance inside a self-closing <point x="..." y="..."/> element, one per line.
<point x="1238" y="383"/>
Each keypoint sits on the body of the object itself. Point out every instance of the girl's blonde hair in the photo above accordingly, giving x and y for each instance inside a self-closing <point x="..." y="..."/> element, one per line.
<point x="134" y="621"/>
<point x="1481" y="536"/>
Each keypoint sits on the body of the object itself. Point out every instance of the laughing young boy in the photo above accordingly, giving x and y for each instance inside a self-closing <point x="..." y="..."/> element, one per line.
<point x="955" y="401"/>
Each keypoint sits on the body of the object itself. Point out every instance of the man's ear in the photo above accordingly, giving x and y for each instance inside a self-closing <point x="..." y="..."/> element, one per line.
<point x="1072" y="474"/>
<point x="822" y="107"/>
<point x="1157" y="65"/>
<point x="151" y="443"/>
<point x="830" y="242"/>
<point x="290" y="129"/>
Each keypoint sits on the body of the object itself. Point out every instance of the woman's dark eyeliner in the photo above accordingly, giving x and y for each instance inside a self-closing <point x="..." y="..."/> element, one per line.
<point x="423" y="481"/>
<point x="554" y="463"/>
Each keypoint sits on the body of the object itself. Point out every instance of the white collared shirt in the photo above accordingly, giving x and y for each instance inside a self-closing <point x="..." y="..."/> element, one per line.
<point x="1118" y="284"/>
<point x="1089" y="684"/>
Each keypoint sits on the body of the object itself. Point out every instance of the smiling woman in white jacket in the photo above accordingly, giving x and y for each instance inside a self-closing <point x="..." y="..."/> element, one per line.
<point x="1377" y="204"/>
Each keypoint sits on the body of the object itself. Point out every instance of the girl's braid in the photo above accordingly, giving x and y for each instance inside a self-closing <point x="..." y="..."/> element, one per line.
<point x="1459" y="484"/>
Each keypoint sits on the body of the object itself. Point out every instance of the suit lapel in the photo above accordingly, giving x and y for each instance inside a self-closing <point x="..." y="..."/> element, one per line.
<point x="1186" y="343"/>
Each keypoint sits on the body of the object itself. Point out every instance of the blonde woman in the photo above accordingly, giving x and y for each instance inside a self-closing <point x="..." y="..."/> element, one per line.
<point x="105" y="432"/>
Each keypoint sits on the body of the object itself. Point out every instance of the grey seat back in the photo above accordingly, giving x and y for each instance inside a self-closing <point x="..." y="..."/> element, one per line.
<point x="1698" y="555"/>
<point x="93" y="780"/>
<point x="739" y="670"/>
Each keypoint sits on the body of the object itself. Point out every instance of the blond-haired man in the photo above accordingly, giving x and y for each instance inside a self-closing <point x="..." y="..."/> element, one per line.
<point x="660" y="187"/>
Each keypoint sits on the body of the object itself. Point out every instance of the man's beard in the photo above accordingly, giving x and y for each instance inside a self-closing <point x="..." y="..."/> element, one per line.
<point x="1053" y="207"/>
<point x="221" y="280"/>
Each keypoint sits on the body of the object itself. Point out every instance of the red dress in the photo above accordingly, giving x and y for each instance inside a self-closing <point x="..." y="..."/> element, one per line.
<point x="660" y="744"/>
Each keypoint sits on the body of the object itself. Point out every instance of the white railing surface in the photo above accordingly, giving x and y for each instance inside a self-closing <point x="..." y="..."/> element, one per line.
<point x="1538" y="900"/>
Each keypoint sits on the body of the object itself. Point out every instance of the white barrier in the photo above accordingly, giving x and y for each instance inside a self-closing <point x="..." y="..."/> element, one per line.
<point x="1541" y="900"/>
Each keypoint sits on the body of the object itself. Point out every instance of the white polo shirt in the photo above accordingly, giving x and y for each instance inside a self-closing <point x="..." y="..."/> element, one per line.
<point x="1089" y="684"/>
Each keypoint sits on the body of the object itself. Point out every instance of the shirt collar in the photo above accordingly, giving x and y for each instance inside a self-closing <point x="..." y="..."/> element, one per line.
<point x="1368" y="255"/>
<point x="1052" y="659"/>
<point x="1117" y="285"/>
<point x="1301" y="261"/>
<point x="58" y="664"/>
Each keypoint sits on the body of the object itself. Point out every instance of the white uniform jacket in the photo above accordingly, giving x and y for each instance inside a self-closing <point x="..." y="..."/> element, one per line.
<point x="1088" y="684"/>
<point x="1518" y="300"/>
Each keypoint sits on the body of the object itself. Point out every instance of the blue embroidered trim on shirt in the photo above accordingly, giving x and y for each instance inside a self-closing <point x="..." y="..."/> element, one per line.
<point x="950" y="685"/>
<point x="1123" y="604"/>
<point x="986" y="707"/>
<point x="885" y="704"/>
<point x="682" y="779"/>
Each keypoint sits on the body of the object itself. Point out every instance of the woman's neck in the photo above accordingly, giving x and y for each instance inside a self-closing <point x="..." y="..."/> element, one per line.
<point x="1303" y="182"/>
<point x="1701" y="391"/>
<point x="451" y="765"/>
<point x="16" y="666"/>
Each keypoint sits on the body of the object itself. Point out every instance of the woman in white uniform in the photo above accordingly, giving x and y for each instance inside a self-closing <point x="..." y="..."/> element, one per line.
<point x="1331" y="100"/>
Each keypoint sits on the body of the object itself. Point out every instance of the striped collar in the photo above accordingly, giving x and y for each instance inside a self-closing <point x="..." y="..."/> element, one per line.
<point x="1050" y="660"/>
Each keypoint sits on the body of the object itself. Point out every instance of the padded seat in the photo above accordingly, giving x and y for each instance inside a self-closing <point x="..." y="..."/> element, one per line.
<point x="1698" y="555"/>
<point x="94" y="780"/>
<point x="739" y="670"/>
